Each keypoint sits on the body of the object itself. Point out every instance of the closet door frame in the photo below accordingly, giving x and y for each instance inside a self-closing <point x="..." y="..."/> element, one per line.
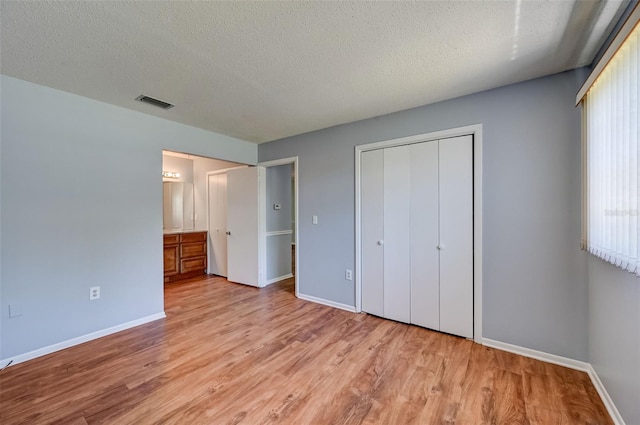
<point x="476" y="132"/>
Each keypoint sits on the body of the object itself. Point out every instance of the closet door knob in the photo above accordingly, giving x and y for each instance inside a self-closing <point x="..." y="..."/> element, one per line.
<point x="380" y="242"/>
<point x="441" y="247"/>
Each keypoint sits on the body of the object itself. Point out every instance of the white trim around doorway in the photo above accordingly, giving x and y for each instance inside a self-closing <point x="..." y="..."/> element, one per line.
<point x="291" y="160"/>
<point x="474" y="130"/>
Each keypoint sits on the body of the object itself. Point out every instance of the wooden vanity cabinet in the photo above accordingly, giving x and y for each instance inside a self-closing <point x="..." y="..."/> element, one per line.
<point x="185" y="255"/>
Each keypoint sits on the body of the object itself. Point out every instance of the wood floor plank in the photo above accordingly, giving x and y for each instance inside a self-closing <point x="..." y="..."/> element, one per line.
<point x="232" y="354"/>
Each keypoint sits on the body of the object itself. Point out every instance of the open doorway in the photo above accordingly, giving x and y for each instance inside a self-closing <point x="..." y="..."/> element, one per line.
<point x="187" y="244"/>
<point x="252" y="216"/>
<point x="216" y="211"/>
<point x="281" y="221"/>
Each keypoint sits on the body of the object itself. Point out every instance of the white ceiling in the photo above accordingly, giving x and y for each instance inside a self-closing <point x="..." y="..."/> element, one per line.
<point x="260" y="71"/>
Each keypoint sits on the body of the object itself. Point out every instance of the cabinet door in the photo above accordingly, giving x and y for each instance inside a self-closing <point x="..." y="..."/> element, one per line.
<point x="397" y="255"/>
<point x="372" y="225"/>
<point x="171" y="260"/>
<point x="456" y="235"/>
<point x="425" y="232"/>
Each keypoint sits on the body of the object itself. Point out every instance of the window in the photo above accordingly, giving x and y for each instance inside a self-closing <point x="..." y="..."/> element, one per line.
<point x="611" y="227"/>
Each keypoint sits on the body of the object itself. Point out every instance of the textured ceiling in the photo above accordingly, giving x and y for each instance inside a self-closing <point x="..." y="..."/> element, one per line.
<point x="260" y="71"/>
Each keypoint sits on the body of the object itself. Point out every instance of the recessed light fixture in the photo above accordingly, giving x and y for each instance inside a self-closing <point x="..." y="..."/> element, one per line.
<point x="155" y="102"/>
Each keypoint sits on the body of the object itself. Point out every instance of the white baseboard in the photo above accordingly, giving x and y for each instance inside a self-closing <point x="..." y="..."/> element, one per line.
<point x="20" y="358"/>
<point x="606" y="398"/>
<point x="278" y="279"/>
<point x="329" y="303"/>
<point x="538" y="355"/>
<point x="566" y="362"/>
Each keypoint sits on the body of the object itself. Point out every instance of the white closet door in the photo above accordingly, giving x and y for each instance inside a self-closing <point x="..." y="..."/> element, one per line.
<point x="397" y="226"/>
<point x="425" y="279"/>
<point x="218" y="224"/>
<point x="456" y="235"/>
<point x="372" y="224"/>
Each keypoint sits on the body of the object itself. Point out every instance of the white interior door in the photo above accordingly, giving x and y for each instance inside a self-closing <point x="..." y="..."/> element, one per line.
<point x="217" y="186"/>
<point x="243" y="232"/>
<point x="456" y="235"/>
<point x="425" y="279"/>
<point x="372" y="224"/>
<point x="397" y="228"/>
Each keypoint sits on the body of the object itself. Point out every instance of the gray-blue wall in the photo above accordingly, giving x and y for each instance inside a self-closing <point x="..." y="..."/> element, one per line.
<point x="278" y="190"/>
<point x="614" y="334"/>
<point x="81" y="195"/>
<point x="535" y="293"/>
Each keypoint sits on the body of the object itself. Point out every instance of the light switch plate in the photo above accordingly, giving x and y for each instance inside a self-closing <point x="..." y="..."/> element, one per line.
<point x="314" y="219"/>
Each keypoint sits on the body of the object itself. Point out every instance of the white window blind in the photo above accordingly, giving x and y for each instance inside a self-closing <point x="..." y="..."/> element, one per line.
<point x="612" y="159"/>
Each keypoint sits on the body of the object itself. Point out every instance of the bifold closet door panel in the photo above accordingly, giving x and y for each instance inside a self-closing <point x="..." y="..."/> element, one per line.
<point x="397" y="229"/>
<point x="456" y="235"/>
<point x="372" y="226"/>
<point x="425" y="280"/>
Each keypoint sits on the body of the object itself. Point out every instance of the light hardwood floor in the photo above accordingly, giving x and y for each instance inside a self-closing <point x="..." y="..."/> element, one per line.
<point x="231" y="354"/>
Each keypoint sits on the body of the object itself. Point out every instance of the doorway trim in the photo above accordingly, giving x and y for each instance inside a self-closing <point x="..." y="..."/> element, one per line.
<point x="206" y="185"/>
<point x="474" y="130"/>
<point x="263" y="237"/>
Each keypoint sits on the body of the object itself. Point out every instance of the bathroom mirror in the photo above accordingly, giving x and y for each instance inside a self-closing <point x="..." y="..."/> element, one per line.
<point x="177" y="207"/>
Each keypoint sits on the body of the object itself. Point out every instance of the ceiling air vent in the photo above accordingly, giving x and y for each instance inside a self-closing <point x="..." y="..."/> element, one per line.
<point x="154" y="102"/>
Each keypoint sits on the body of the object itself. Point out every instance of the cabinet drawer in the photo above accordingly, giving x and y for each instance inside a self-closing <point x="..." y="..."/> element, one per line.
<point x="171" y="239"/>
<point x="196" y="264"/>
<point x="193" y="237"/>
<point x="197" y="249"/>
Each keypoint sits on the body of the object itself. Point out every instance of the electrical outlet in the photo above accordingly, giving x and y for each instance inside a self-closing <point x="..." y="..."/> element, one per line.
<point x="94" y="293"/>
<point x="348" y="274"/>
